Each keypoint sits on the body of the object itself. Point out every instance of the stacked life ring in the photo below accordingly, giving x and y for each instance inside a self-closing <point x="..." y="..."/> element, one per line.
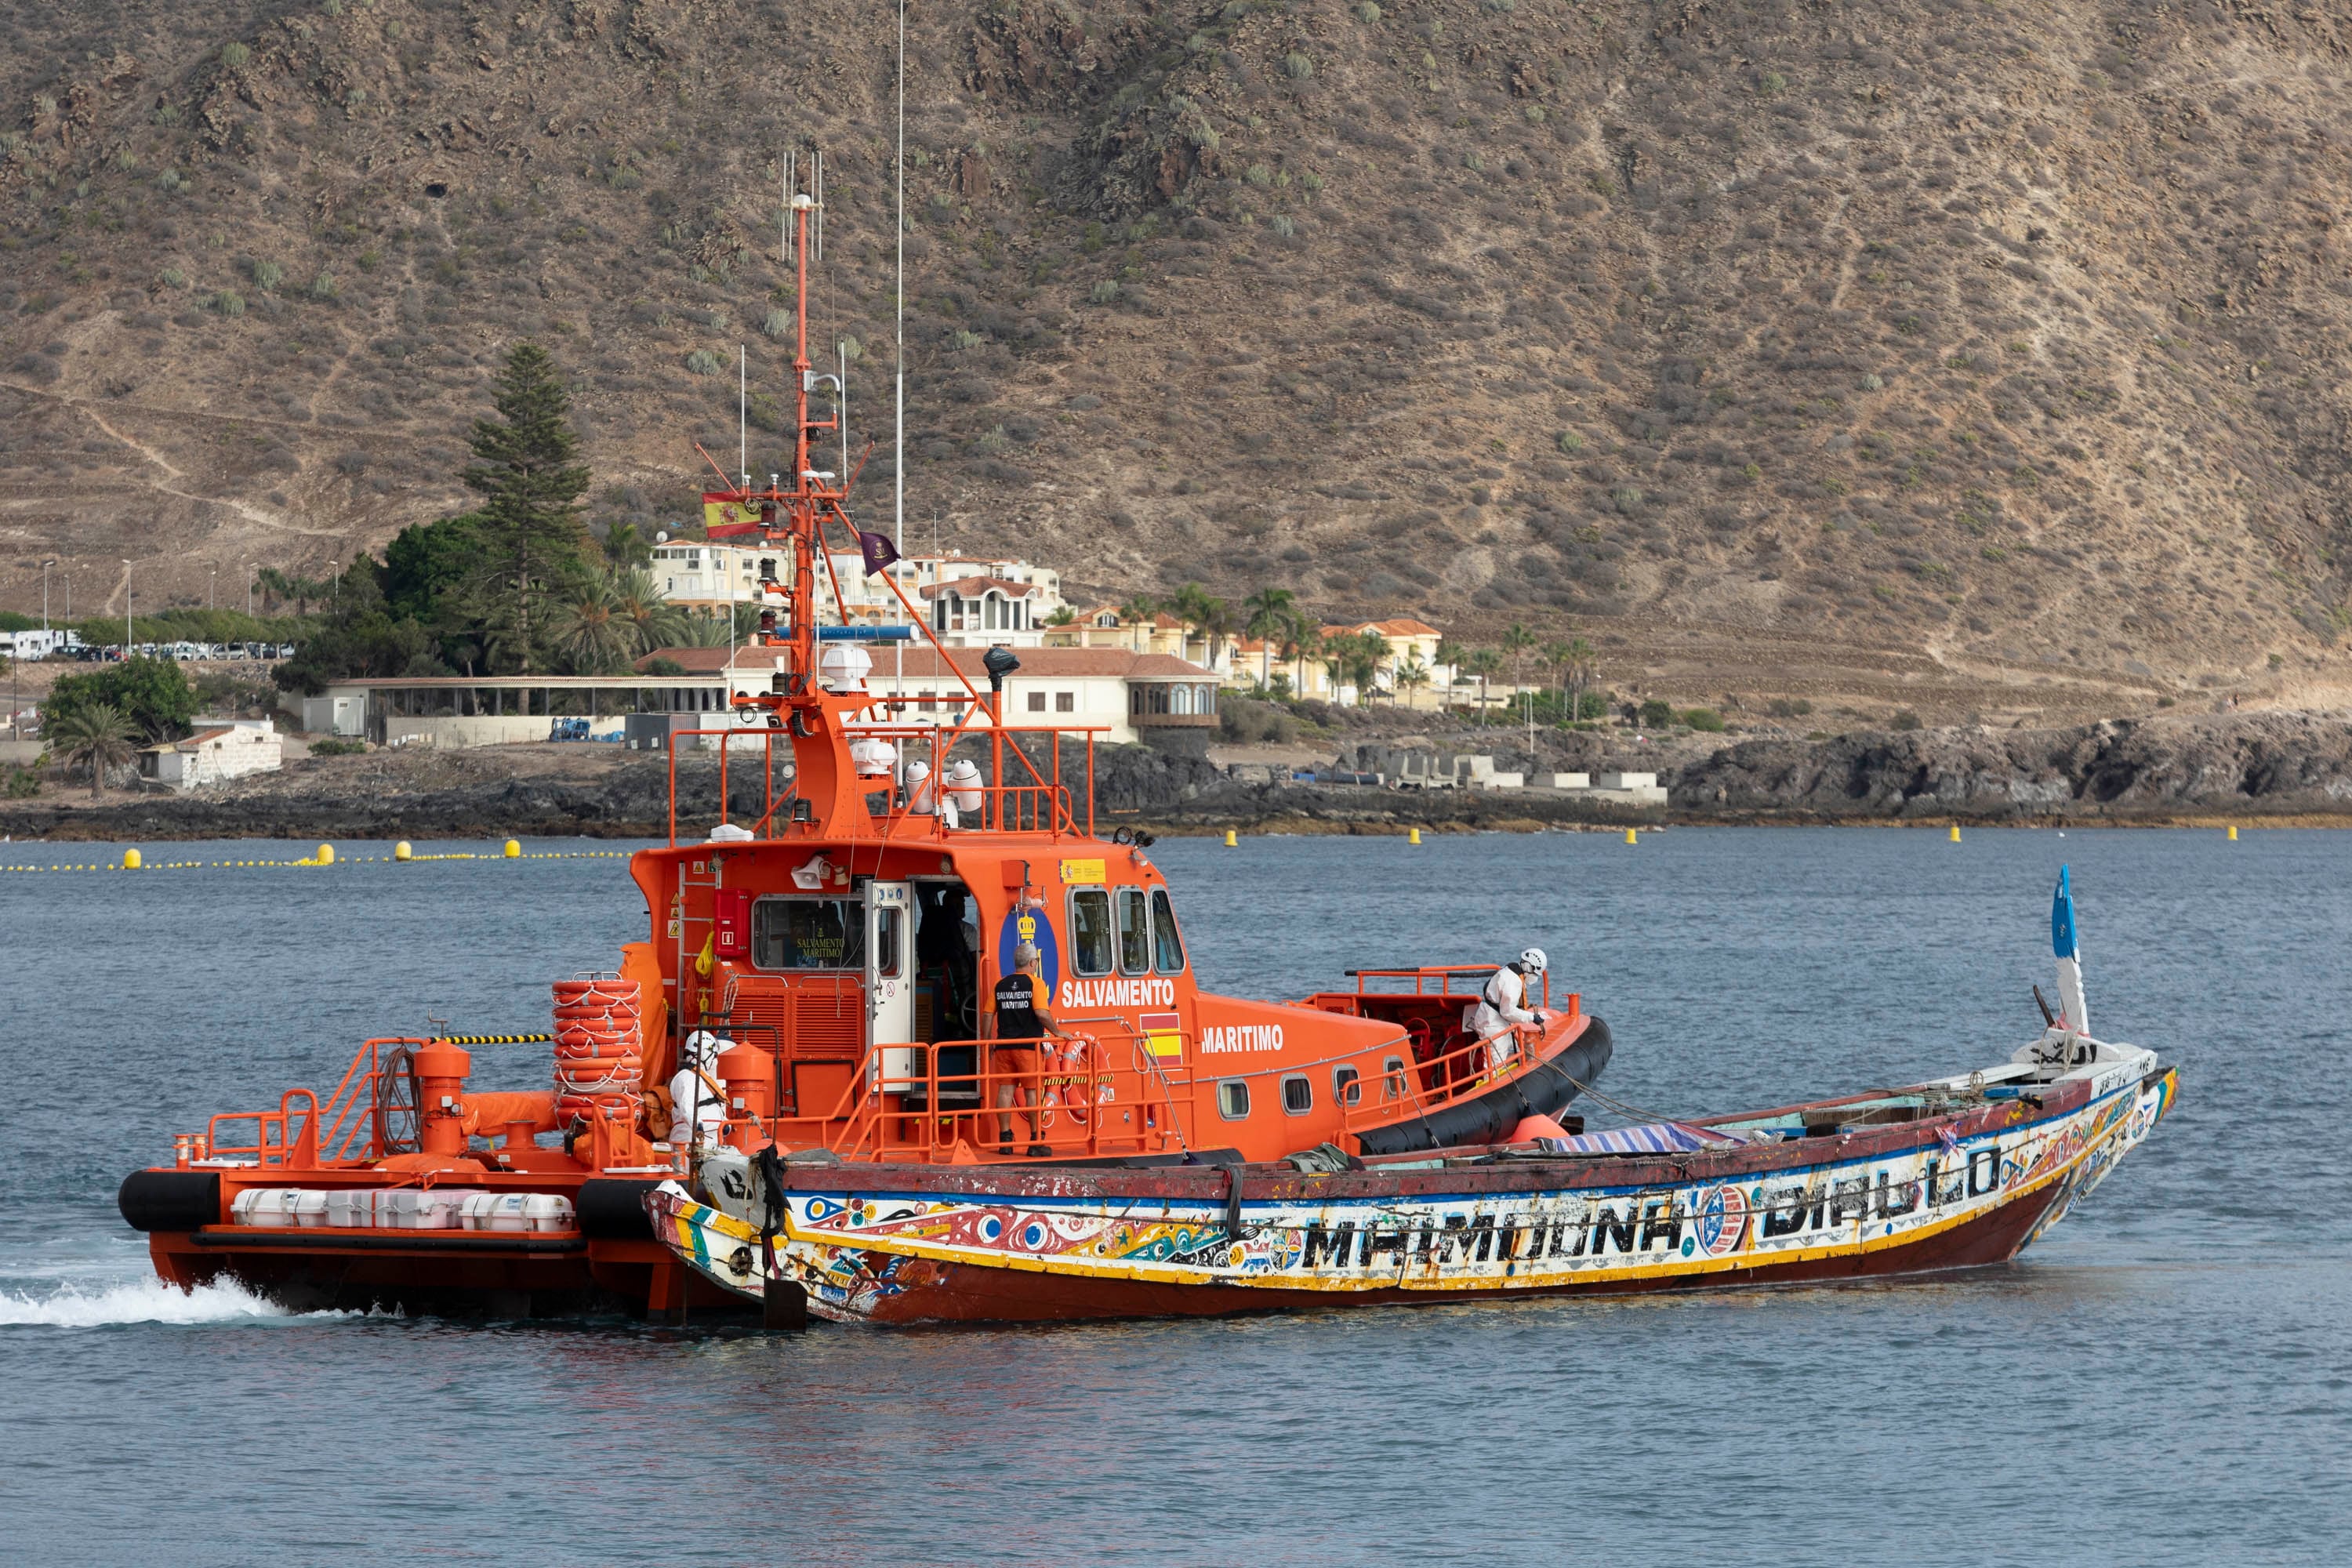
<point x="599" y="1049"/>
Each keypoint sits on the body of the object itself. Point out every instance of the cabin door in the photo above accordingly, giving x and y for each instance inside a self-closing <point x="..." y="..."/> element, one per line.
<point x="890" y="979"/>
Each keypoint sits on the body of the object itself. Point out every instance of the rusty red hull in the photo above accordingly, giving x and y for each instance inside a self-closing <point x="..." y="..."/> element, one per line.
<point x="950" y="1292"/>
<point x="1972" y="1185"/>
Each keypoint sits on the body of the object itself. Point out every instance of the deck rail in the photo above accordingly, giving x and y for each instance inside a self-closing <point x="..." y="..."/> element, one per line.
<point x="1443" y="976"/>
<point x="1100" y="1093"/>
<point x="1044" y="805"/>
<point x="1419" y="1085"/>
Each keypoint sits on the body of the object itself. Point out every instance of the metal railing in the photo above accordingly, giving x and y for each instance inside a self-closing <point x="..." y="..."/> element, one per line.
<point x="1097" y="1094"/>
<point x="1443" y="975"/>
<point x="1045" y="806"/>
<point x="1419" y="1085"/>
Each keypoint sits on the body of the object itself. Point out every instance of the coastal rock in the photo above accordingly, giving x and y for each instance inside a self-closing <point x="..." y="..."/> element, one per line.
<point x="2271" y="763"/>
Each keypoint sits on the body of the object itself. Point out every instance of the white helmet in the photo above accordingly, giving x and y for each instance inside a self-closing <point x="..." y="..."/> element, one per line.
<point x="1533" y="961"/>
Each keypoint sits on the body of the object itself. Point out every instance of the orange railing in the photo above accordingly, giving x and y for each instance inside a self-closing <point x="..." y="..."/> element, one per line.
<point x="1418" y="1086"/>
<point x="1443" y="975"/>
<point x="348" y="1129"/>
<point x="300" y="1150"/>
<point x="1106" y="1096"/>
<point x="1044" y="805"/>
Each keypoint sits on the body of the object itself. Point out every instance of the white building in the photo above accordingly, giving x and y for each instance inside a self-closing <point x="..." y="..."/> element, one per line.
<point x="220" y="750"/>
<point x="987" y="601"/>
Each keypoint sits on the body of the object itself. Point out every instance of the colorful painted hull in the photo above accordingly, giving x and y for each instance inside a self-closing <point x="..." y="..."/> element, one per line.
<point x="904" y="1244"/>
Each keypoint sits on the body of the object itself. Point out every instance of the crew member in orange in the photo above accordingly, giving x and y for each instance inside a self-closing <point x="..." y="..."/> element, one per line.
<point x="1022" y="1021"/>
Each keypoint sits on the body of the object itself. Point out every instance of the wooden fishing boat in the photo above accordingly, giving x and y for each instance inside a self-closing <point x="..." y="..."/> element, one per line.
<point x="1954" y="1173"/>
<point x="817" y="980"/>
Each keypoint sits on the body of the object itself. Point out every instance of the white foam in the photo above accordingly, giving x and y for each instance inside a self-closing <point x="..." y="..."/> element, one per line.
<point x="149" y="1300"/>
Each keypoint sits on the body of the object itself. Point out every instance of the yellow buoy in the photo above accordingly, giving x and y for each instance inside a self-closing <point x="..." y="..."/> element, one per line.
<point x="1630" y="837"/>
<point x="1956" y="833"/>
<point x="131" y="859"/>
<point x="1413" y="836"/>
<point x="514" y="848"/>
<point x="2233" y="833"/>
<point x="1231" y="840"/>
<point x="401" y="851"/>
<point x="326" y="854"/>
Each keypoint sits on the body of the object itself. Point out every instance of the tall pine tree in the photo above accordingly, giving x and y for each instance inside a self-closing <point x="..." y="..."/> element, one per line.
<point x="528" y="473"/>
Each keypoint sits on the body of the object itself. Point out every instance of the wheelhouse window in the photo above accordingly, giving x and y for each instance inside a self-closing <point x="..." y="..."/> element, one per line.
<point x="1297" y="1095"/>
<point x="1233" y="1099"/>
<point x="1090" y="933"/>
<point x="1169" y="944"/>
<point x="808" y="933"/>
<point x="1134" y="932"/>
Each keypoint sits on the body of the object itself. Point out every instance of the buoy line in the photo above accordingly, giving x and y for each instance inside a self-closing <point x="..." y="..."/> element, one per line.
<point x="132" y="860"/>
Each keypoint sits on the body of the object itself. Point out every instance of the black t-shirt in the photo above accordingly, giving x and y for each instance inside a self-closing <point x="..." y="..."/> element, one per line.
<point x="1018" y="997"/>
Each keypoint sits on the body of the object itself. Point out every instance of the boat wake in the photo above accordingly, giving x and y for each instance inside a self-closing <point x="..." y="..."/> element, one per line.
<point x="140" y="1301"/>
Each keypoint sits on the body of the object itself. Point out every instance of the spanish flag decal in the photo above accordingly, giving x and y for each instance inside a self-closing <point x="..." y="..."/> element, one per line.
<point x="1164" y="1036"/>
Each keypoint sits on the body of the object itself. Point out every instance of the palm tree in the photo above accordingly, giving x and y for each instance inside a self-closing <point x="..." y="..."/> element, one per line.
<point x="1583" y="664"/>
<point x="98" y="736"/>
<point x="1410" y="674"/>
<point x="1484" y="663"/>
<point x="1364" y="653"/>
<point x="1516" y="641"/>
<point x="1303" y="643"/>
<point x="1271" y="612"/>
<point x="624" y="546"/>
<point x="653" y="621"/>
<point x="1555" y="658"/>
<point x="590" y="625"/>
<point x="700" y="629"/>
<point x="1204" y="612"/>
<point x="276" y="585"/>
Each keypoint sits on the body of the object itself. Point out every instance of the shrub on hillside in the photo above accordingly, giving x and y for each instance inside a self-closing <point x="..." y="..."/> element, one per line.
<point x="153" y="693"/>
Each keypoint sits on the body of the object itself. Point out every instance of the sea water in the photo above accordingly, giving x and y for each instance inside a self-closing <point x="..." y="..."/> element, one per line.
<point x="2162" y="1379"/>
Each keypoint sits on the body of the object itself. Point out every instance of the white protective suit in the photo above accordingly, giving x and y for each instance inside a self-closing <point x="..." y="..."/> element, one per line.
<point x="697" y="1074"/>
<point x="1500" y="1007"/>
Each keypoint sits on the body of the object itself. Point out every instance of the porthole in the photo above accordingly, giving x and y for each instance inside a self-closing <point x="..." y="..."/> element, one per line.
<point x="1233" y="1099"/>
<point x="1297" y="1095"/>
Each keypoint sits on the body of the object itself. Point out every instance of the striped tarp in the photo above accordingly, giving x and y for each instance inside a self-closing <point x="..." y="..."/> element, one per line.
<point x="1651" y="1138"/>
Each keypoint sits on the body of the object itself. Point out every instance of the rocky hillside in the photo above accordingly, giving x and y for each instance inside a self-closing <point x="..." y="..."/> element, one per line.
<point x="1997" y="339"/>
<point x="2271" y="764"/>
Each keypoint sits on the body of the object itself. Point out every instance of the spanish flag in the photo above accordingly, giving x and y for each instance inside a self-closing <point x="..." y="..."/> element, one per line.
<point x="723" y="518"/>
<point x="1164" y="1036"/>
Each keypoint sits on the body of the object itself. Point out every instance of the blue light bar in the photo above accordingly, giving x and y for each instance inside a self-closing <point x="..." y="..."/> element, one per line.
<point x="866" y="634"/>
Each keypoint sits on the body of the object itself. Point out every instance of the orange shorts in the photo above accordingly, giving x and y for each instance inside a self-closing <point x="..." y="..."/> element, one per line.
<point x="1014" y="1059"/>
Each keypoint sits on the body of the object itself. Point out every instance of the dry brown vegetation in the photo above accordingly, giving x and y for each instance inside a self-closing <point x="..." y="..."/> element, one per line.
<point x="2007" y="336"/>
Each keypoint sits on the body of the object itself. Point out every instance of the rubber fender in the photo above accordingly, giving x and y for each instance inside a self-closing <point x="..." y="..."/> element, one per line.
<point x="169" y="1200"/>
<point x="1488" y="1117"/>
<point x="613" y="1209"/>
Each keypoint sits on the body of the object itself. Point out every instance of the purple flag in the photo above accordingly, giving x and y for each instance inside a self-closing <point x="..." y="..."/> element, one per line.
<point x="878" y="551"/>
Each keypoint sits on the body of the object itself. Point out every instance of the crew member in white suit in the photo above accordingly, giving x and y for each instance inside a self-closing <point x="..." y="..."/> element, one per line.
<point x="698" y="1101"/>
<point x="1502" y="1007"/>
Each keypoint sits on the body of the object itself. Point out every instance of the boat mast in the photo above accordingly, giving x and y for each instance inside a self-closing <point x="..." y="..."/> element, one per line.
<point x="801" y="505"/>
<point x="899" y="352"/>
